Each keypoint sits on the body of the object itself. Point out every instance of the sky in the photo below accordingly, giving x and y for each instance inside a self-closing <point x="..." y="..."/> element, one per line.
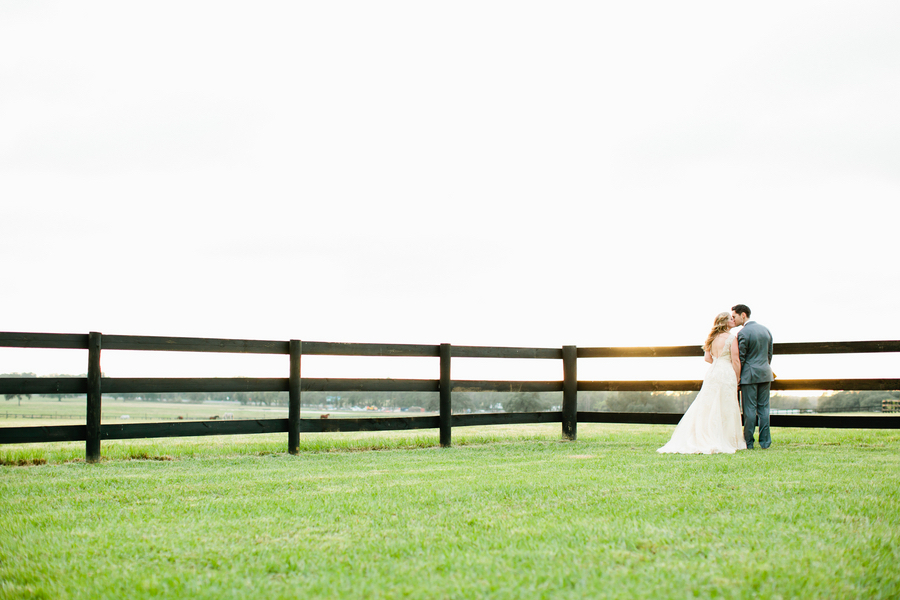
<point x="477" y="173"/>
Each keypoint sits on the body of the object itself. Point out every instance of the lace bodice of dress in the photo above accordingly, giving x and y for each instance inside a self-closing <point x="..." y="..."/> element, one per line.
<point x="721" y="369"/>
<point x="726" y="349"/>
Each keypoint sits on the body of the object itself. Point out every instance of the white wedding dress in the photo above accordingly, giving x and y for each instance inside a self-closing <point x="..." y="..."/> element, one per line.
<point x="712" y="423"/>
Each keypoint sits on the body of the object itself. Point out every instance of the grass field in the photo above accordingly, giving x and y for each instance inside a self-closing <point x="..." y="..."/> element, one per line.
<point x="508" y="512"/>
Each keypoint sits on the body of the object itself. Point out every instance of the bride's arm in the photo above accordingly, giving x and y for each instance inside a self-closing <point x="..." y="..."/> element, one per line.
<point x="707" y="356"/>
<point x="736" y="358"/>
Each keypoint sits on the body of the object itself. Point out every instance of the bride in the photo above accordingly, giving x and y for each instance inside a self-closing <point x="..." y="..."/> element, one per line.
<point x="712" y="423"/>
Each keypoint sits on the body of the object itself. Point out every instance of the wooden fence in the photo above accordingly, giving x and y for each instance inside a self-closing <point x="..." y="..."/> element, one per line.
<point x="93" y="385"/>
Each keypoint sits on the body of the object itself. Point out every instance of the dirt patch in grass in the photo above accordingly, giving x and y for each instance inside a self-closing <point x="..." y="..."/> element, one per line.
<point x="22" y="462"/>
<point x="143" y="455"/>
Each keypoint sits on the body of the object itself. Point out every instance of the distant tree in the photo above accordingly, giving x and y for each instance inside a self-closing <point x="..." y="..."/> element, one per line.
<point x="242" y="397"/>
<point x="525" y="402"/>
<point x="19" y="396"/>
<point x="592" y="401"/>
<point x="461" y="402"/>
<point x="868" y="401"/>
<point x="787" y="402"/>
<point x="431" y="402"/>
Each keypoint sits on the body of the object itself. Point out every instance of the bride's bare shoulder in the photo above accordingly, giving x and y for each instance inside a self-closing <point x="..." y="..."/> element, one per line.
<point x="720" y="341"/>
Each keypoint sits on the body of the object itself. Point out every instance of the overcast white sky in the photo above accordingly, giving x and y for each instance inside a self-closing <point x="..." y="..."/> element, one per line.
<point x="478" y="173"/>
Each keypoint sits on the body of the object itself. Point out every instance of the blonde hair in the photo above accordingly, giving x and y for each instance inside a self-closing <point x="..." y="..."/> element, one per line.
<point x="720" y="325"/>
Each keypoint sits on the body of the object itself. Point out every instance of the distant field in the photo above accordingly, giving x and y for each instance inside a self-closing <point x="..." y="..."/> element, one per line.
<point x="49" y="411"/>
<point x="508" y="512"/>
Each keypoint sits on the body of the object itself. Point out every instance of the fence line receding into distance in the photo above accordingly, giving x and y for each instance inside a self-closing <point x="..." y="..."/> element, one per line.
<point x="94" y="385"/>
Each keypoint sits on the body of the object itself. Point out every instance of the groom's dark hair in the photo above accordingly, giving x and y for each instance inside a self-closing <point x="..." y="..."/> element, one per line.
<point x="741" y="309"/>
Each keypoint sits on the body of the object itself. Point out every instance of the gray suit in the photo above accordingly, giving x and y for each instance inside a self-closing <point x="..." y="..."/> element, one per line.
<point x="755" y="347"/>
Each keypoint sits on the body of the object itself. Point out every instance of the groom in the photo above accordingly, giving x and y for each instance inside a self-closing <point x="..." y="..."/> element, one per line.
<point x="755" y="346"/>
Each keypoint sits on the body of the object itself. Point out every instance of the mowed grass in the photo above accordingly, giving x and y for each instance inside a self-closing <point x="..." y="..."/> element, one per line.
<point x="508" y="512"/>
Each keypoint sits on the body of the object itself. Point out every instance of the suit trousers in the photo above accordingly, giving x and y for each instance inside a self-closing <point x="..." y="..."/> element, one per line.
<point x="755" y="398"/>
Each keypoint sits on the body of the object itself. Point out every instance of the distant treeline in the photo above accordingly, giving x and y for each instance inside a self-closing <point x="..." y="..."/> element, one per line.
<point x="660" y="402"/>
<point x="855" y="401"/>
<point x="674" y="402"/>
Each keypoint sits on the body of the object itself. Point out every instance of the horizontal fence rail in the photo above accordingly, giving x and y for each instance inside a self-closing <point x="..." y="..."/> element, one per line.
<point x="74" y="385"/>
<point x="94" y="385"/>
<point x="777" y="385"/>
<point x="78" y="341"/>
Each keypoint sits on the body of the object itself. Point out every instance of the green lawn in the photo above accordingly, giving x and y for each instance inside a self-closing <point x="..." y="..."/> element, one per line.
<point x="508" y="512"/>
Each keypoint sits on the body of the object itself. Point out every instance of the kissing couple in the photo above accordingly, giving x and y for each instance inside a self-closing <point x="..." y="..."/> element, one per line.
<point x="740" y="362"/>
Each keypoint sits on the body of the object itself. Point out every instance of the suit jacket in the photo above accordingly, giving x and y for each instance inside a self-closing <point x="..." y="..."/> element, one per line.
<point x="755" y="346"/>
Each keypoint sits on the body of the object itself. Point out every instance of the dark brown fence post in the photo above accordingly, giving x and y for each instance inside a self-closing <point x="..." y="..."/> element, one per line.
<point x="296" y="348"/>
<point x="570" y="393"/>
<point x="92" y="444"/>
<point x="444" y="422"/>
